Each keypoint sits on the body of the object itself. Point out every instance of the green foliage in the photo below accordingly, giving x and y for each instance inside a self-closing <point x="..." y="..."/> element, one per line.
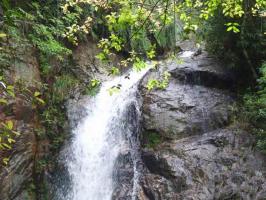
<point x="241" y="43"/>
<point x="8" y="134"/>
<point x="168" y="35"/>
<point x="152" y="83"/>
<point x="139" y="64"/>
<point x="113" y="42"/>
<point x="136" y="26"/>
<point x="133" y="26"/>
<point x="53" y="118"/>
<point x="41" y="165"/>
<point x="233" y="29"/>
<point x="37" y="25"/>
<point x="62" y="87"/>
<point x="256" y="109"/>
<point x="159" y="84"/>
<point x="113" y="90"/>
<point x="152" y="139"/>
<point x="93" y="88"/>
<point x="7" y="138"/>
<point x="45" y="37"/>
<point x="140" y="42"/>
<point x="95" y="82"/>
<point x="114" y="71"/>
<point x="193" y="13"/>
<point x="50" y="47"/>
<point x="7" y="91"/>
<point x="31" y="188"/>
<point x="32" y="97"/>
<point x="237" y="50"/>
<point x="37" y="98"/>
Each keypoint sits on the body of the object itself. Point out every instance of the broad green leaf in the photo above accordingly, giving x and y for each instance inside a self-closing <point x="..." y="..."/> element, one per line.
<point x="10" y="87"/>
<point x="10" y="140"/>
<point x="9" y="124"/>
<point x="16" y="133"/>
<point x="115" y="71"/>
<point x="95" y="82"/>
<point x="36" y="94"/>
<point x="40" y="100"/>
<point x="5" y="161"/>
<point x="7" y="146"/>
<point x="2" y="35"/>
<point x="3" y="101"/>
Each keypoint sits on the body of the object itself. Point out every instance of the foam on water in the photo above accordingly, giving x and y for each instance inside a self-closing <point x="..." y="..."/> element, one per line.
<point x="99" y="138"/>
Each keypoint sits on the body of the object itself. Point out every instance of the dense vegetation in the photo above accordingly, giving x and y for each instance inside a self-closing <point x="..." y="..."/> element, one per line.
<point x="233" y="30"/>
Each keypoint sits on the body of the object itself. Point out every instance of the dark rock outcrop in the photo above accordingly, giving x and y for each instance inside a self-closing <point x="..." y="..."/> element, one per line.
<point x="202" y="70"/>
<point x="217" y="165"/>
<point x="202" y="154"/>
<point x="184" y="110"/>
<point x="123" y="176"/>
<point x="86" y="66"/>
<point x="192" y="103"/>
<point x="15" y="179"/>
<point x="199" y="154"/>
<point x="18" y="175"/>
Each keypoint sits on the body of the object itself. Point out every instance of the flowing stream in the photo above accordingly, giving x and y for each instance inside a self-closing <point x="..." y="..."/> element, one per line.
<point x="111" y="124"/>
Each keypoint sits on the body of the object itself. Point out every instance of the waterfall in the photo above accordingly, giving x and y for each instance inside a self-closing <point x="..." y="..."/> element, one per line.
<point x="110" y="125"/>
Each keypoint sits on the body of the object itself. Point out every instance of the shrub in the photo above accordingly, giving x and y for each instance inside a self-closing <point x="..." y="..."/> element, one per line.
<point x="256" y="109"/>
<point x="62" y="87"/>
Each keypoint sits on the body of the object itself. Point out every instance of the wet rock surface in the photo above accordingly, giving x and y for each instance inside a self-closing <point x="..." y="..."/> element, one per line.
<point x="128" y="162"/>
<point x="184" y="110"/>
<point x="18" y="175"/>
<point x="201" y="154"/>
<point x="15" y="178"/>
<point x="217" y="165"/>
<point x="202" y="70"/>
<point x="123" y="176"/>
<point x="85" y="64"/>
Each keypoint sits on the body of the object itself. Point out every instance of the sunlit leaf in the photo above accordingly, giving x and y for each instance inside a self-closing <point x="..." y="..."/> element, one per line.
<point x="9" y="124"/>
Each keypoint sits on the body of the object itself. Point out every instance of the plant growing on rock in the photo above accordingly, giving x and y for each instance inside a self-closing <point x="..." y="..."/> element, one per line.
<point x="7" y="130"/>
<point x="7" y="139"/>
<point x="255" y="104"/>
<point x="159" y="84"/>
<point x="93" y="88"/>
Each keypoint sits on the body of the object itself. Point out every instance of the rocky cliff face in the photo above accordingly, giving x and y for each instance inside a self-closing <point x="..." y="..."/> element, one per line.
<point x="18" y="179"/>
<point x="197" y="151"/>
<point x="15" y="179"/>
<point x="190" y="146"/>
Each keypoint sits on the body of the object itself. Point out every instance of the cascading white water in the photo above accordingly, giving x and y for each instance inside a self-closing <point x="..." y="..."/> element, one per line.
<point x="98" y="140"/>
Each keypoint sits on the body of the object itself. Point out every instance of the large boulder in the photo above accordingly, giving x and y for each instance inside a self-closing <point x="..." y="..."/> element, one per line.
<point x="196" y="150"/>
<point x="202" y="69"/>
<point x="217" y="165"/>
<point x="184" y="110"/>
<point x="192" y="103"/>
